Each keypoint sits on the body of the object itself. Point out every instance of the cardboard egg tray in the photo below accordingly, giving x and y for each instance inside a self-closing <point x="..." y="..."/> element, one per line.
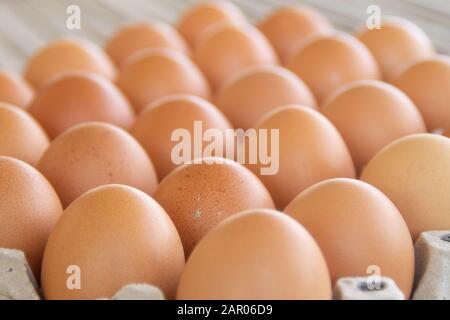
<point x="432" y="277"/>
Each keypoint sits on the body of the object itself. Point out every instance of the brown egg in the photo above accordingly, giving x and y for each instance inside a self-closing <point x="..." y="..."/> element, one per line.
<point x="327" y="62"/>
<point x="370" y="114"/>
<point x="157" y="123"/>
<point x="396" y="44"/>
<point x="110" y="237"/>
<point x="446" y="133"/>
<point x="79" y="97"/>
<point x="200" y="17"/>
<point x="250" y="94"/>
<point x="21" y="136"/>
<point x="155" y="73"/>
<point x="95" y="154"/>
<point x="427" y="83"/>
<point x="14" y="89"/>
<point x="256" y="255"/>
<point x="310" y="150"/>
<point x="199" y="195"/>
<point x="227" y="48"/>
<point x="66" y="55"/>
<point x="358" y="229"/>
<point x="414" y="173"/>
<point x="288" y="26"/>
<point x="143" y="35"/>
<point x="29" y="209"/>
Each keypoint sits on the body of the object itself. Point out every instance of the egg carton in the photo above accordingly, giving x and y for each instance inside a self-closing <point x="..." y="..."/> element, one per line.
<point x="357" y="288"/>
<point x="17" y="282"/>
<point x="431" y="281"/>
<point x="432" y="277"/>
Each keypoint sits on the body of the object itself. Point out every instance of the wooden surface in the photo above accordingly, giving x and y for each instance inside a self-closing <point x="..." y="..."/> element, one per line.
<point x="25" y="25"/>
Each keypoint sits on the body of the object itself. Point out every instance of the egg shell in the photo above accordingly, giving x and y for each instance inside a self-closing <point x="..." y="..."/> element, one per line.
<point x="138" y="36"/>
<point x="358" y="230"/>
<point x="326" y="62"/>
<point x="29" y="209"/>
<point x="414" y="173"/>
<point x="255" y="91"/>
<point x="226" y="48"/>
<point x="14" y="89"/>
<point x="21" y="136"/>
<point x="199" y="195"/>
<point x="310" y="150"/>
<point x="370" y="114"/>
<point x="111" y="236"/>
<point x="155" y="73"/>
<point x="156" y="124"/>
<point x="204" y="15"/>
<point x="66" y="55"/>
<point x="427" y="83"/>
<point x="78" y="97"/>
<point x="396" y="44"/>
<point x="288" y="26"/>
<point x="94" y="154"/>
<point x="256" y="255"/>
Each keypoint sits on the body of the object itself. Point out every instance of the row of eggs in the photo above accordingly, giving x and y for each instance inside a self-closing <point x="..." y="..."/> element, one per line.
<point x="120" y="235"/>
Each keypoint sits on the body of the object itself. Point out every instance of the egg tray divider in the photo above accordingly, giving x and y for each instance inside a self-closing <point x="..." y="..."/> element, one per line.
<point x="432" y="277"/>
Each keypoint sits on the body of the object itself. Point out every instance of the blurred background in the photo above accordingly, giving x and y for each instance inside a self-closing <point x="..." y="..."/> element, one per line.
<point x="25" y="25"/>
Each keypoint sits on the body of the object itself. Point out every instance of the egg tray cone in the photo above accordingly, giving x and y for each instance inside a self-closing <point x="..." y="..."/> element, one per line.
<point x="17" y="282"/>
<point x="362" y="288"/>
<point x="432" y="277"/>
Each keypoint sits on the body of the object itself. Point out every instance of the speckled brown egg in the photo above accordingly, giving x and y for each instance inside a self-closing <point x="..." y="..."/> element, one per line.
<point x="200" y="17"/>
<point x="396" y="44"/>
<point x="255" y="91"/>
<point x="21" y="137"/>
<point x="256" y="255"/>
<point x="308" y="150"/>
<point x="199" y="195"/>
<point x="427" y="83"/>
<point x="94" y="154"/>
<point x="288" y="26"/>
<point x="327" y="62"/>
<point x="414" y="173"/>
<point x="358" y="230"/>
<point x="227" y="48"/>
<point x="156" y="73"/>
<point x="29" y="209"/>
<point x="14" y="89"/>
<point x="65" y="55"/>
<point x="156" y="125"/>
<point x="370" y="114"/>
<point x="110" y="237"/>
<point x="134" y="37"/>
<point x="79" y="97"/>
